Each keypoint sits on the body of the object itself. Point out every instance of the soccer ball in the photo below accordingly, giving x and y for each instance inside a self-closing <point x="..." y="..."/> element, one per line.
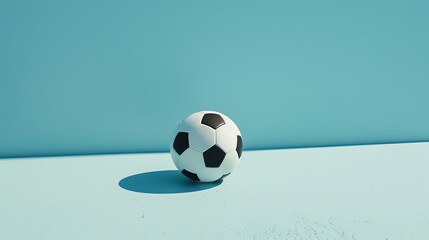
<point x="207" y="146"/>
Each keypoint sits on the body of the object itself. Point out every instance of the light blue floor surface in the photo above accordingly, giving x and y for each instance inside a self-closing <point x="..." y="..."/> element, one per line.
<point x="358" y="192"/>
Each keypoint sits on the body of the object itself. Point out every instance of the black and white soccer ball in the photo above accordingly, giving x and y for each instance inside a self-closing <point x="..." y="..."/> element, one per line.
<point x="207" y="146"/>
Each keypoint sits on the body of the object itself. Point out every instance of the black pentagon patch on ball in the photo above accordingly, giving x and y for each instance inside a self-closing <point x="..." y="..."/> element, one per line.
<point x="212" y="120"/>
<point x="239" y="148"/>
<point x="213" y="157"/>
<point x="181" y="142"/>
<point x="190" y="175"/>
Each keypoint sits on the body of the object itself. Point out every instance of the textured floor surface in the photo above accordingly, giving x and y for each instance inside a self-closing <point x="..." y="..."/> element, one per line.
<point x="358" y="192"/>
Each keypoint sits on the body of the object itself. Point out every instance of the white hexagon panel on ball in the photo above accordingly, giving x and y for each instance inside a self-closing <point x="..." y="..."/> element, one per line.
<point x="207" y="146"/>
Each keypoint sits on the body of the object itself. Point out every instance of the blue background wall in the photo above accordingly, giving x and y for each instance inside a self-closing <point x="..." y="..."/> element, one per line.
<point x="79" y="77"/>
